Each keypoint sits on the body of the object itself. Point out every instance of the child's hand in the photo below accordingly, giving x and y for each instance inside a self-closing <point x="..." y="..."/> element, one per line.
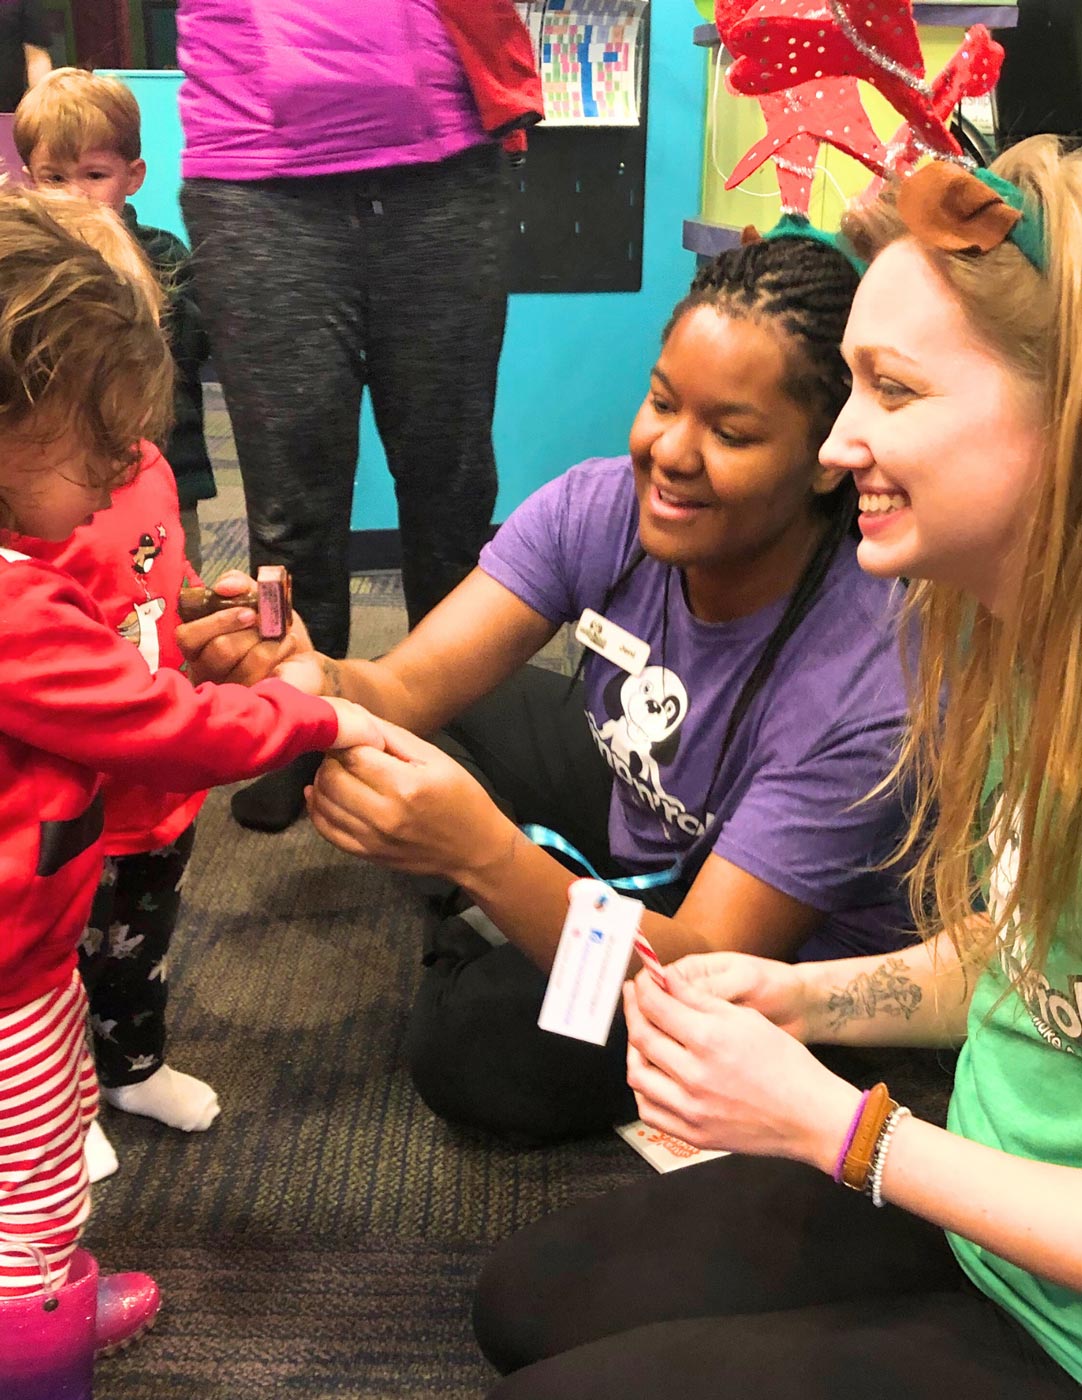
<point x="356" y="726"/>
<point x="410" y="807"/>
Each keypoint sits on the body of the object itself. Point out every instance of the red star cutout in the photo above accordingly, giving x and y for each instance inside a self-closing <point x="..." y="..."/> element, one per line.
<point x="798" y="123"/>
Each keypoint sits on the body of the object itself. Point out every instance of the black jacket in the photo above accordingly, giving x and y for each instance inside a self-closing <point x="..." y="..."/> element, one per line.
<point x="186" y="449"/>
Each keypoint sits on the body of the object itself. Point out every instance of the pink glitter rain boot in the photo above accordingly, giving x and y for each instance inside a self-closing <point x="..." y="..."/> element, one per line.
<point x="47" y="1339"/>
<point x="128" y="1306"/>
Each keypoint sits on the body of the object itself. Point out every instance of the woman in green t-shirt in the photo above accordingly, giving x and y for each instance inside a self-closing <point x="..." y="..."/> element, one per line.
<point x="748" y="1277"/>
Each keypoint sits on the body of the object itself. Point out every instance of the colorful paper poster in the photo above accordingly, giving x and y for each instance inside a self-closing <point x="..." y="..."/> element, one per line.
<point x="590" y="55"/>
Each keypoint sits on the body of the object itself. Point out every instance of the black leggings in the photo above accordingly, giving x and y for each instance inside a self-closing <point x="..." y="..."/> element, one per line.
<point x="313" y="289"/>
<point x="474" y="1047"/>
<point x="747" y="1278"/>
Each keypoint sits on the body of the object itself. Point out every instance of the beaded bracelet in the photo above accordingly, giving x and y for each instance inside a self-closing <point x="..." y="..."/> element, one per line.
<point x="874" y="1187"/>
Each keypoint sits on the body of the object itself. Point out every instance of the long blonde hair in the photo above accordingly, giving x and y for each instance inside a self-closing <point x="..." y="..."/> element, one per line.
<point x="1013" y="681"/>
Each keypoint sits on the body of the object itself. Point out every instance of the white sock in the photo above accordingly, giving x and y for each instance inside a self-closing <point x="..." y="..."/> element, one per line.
<point x="171" y="1097"/>
<point x="101" y="1159"/>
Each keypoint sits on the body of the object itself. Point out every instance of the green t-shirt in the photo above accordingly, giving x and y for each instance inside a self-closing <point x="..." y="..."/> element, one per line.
<point x="1018" y="1088"/>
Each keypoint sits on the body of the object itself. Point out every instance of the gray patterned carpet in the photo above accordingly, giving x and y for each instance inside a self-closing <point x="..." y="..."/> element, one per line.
<point x="323" y="1238"/>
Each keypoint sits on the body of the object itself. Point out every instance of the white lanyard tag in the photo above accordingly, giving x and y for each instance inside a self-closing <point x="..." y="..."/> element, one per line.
<point x="591" y="962"/>
<point x="612" y="642"/>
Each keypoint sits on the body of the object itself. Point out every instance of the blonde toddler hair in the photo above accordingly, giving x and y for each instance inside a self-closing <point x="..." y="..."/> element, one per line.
<point x="72" y="111"/>
<point x="80" y="344"/>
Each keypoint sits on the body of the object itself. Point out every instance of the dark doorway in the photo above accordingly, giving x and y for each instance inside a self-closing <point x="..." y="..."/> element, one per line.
<point x="1041" y="86"/>
<point x="102" y="32"/>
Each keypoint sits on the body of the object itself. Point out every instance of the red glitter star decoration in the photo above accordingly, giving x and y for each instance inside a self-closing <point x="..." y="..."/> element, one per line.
<point x="802" y="59"/>
<point x="798" y="123"/>
<point x="973" y="71"/>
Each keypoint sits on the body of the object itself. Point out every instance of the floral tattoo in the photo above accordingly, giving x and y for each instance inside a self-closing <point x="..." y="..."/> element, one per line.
<point x="887" y="991"/>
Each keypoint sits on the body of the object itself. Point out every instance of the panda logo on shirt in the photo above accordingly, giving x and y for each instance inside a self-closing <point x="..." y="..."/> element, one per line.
<point x="646" y="730"/>
<point x="641" y="735"/>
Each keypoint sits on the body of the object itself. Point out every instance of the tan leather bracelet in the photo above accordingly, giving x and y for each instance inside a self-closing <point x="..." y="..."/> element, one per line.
<point x="858" y="1160"/>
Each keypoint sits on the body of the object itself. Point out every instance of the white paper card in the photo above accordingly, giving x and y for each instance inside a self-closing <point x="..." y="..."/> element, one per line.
<point x="591" y="962"/>
<point x="664" y="1152"/>
<point x="614" y="643"/>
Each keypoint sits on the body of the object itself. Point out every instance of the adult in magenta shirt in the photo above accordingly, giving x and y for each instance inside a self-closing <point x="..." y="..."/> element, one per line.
<point x="348" y="215"/>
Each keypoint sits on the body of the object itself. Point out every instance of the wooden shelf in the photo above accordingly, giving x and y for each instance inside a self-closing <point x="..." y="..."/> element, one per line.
<point x="940" y="16"/>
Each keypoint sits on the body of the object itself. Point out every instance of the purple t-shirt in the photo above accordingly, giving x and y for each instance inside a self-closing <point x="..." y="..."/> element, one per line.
<point x="786" y="803"/>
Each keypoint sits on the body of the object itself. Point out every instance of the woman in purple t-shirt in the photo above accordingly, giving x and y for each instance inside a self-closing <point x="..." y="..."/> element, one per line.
<point x="770" y="703"/>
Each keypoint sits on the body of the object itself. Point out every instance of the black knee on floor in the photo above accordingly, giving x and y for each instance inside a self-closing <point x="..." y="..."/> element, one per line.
<point x="460" y="1071"/>
<point x="500" y="1311"/>
<point x="479" y="1059"/>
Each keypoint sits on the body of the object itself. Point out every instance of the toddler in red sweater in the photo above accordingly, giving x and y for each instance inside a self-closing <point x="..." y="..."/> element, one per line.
<point x="85" y="377"/>
<point x="131" y="560"/>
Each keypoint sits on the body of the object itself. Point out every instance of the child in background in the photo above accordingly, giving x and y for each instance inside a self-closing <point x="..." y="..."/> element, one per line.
<point x="80" y="133"/>
<point x="130" y="559"/>
<point x="84" y="375"/>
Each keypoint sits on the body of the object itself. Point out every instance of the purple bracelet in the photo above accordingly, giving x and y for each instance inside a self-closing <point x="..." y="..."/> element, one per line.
<point x="839" y="1165"/>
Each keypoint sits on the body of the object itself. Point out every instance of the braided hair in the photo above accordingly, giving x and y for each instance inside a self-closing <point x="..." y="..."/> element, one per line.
<point x="806" y="288"/>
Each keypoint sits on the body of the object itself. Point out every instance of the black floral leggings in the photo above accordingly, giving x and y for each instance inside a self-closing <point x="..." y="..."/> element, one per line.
<point x="123" y="959"/>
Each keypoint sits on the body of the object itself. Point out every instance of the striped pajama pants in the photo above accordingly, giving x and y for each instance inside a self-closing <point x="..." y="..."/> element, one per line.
<point x="48" y="1097"/>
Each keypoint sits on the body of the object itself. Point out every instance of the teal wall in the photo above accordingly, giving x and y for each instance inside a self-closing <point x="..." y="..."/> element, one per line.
<point x="574" y="367"/>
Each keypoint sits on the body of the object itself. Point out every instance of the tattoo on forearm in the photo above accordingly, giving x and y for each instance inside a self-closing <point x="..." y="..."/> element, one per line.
<point x="888" y="991"/>
<point x="332" y="678"/>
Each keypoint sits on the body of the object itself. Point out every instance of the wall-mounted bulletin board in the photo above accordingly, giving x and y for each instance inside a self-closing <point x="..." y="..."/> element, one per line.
<point x="578" y="199"/>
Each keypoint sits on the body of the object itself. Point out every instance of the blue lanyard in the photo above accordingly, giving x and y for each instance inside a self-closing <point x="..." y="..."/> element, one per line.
<point x="553" y="841"/>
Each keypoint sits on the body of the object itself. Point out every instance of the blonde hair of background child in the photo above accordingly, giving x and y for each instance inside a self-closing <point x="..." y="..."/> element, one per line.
<point x="1013" y="681"/>
<point x="72" y="111"/>
<point x="80" y="344"/>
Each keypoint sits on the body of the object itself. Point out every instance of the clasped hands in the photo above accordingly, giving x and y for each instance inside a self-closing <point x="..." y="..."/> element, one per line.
<point x="718" y="1061"/>
<point x="395" y="799"/>
<point x="409" y="807"/>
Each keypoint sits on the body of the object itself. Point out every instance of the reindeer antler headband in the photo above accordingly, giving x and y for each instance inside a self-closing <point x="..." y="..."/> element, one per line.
<point x="802" y="59"/>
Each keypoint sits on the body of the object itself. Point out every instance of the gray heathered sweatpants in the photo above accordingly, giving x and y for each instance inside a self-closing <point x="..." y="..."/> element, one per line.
<point x="313" y="288"/>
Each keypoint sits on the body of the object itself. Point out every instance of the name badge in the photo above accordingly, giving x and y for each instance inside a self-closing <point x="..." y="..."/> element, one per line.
<point x="591" y="962"/>
<point x="612" y="642"/>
